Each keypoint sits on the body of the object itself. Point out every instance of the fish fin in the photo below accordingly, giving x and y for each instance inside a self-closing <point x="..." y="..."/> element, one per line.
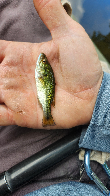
<point x="53" y="102"/>
<point x="48" y="122"/>
<point x="39" y="104"/>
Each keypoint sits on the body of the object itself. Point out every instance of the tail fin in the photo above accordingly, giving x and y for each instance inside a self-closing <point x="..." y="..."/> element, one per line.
<point x="48" y="122"/>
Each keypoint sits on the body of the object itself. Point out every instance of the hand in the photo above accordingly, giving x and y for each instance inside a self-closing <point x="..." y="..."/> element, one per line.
<point x="76" y="67"/>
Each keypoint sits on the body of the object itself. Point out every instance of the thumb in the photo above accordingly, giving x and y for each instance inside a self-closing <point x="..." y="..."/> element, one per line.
<point x="52" y="14"/>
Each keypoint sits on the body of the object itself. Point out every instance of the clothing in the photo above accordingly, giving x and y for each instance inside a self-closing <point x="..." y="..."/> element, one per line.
<point x="96" y="136"/>
<point x="19" y="21"/>
<point x="68" y="189"/>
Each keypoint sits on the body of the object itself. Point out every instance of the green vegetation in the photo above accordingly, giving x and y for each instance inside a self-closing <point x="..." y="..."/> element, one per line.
<point x="103" y="43"/>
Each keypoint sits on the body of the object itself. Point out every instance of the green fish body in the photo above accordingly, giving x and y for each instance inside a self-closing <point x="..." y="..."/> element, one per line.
<point x="45" y="83"/>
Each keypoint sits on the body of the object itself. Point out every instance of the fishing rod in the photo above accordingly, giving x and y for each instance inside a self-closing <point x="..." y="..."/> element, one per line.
<point x="25" y="171"/>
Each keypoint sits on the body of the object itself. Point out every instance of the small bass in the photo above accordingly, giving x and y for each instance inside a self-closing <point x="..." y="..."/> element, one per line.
<point x="45" y="83"/>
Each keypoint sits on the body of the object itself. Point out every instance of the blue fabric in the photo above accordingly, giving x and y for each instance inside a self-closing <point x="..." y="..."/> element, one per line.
<point x="68" y="188"/>
<point x="97" y="135"/>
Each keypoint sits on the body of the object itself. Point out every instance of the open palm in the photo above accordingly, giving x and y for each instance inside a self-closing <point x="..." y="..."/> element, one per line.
<point x="76" y="67"/>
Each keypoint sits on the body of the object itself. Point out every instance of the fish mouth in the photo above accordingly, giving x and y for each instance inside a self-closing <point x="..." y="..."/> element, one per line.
<point x="41" y="57"/>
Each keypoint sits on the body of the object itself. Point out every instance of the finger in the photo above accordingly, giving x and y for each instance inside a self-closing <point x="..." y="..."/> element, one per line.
<point x="52" y="13"/>
<point x="5" y="116"/>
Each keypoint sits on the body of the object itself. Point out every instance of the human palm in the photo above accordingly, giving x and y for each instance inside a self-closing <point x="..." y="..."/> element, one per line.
<point x="76" y="67"/>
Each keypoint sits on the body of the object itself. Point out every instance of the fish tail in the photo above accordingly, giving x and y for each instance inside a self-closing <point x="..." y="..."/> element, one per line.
<point x="49" y="121"/>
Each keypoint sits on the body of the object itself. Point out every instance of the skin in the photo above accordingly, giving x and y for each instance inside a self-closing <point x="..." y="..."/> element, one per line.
<point x="76" y="67"/>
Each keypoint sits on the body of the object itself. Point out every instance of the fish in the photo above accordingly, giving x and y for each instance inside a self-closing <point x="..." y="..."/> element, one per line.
<point x="45" y="83"/>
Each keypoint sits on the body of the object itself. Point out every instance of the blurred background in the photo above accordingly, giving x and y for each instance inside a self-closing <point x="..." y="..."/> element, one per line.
<point x="94" y="16"/>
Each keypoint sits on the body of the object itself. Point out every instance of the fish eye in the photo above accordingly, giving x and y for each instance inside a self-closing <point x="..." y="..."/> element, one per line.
<point x="44" y="60"/>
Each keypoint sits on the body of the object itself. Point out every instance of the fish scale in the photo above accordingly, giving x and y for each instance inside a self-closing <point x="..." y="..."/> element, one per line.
<point x="45" y="83"/>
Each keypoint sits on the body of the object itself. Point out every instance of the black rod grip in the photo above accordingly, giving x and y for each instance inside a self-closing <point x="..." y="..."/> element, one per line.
<point x="26" y="170"/>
